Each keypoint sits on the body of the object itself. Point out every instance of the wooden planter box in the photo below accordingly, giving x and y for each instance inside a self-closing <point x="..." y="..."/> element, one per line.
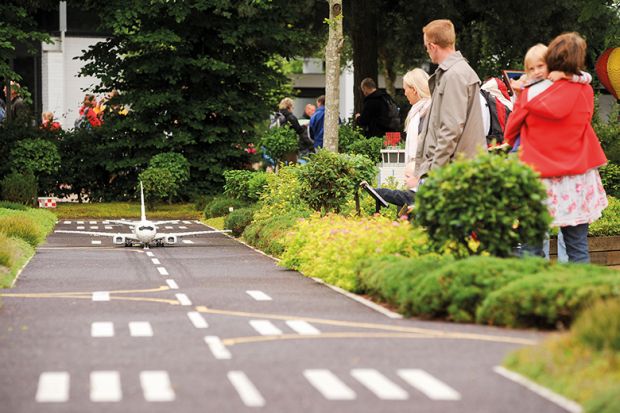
<point x="603" y="250"/>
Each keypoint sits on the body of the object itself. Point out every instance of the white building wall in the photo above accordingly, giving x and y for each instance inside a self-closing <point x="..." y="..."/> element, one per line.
<point x="62" y="91"/>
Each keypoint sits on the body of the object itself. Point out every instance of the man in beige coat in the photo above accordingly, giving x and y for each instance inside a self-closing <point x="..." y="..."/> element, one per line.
<point x="454" y="123"/>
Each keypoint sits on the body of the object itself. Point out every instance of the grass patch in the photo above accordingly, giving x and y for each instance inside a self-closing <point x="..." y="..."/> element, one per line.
<point x="217" y="222"/>
<point x="21" y="252"/>
<point x="128" y="210"/>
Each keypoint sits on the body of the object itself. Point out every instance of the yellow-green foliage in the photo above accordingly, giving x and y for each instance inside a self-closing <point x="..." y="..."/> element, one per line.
<point x="575" y="365"/>
<point x="8" y="251"/>
<point x="19" y="252"/>
<point x="330" y="247"/>
<point x="21" y="226"/>
<point x="281" y="195"/>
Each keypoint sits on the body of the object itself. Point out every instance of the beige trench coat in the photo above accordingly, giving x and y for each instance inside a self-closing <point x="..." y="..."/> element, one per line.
<point x="454" y="123"/>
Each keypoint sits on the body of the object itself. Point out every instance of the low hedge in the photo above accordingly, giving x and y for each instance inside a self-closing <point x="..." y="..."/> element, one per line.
<point x="609" y="223"/>
<point x="238" y="220"/>
<point x="546" y="299"/>
<point x="220" y="206"/>
<point x="269" y="234"/>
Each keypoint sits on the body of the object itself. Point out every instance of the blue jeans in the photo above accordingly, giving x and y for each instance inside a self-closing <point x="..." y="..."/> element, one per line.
<point x="576" y="239"/>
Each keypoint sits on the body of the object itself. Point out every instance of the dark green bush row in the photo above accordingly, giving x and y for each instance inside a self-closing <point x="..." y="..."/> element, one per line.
<point x="220" y="206"/>
<point x="238" y="220"/>
<point x="269" y="234"/>
<point x="245" y="185"/>
<point x="496" y="291"/>
<point x="19" y="188"/>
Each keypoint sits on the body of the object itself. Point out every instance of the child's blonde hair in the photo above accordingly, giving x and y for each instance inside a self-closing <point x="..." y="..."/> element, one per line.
<point x="49" y="116"/>
<point x="536" y="52"/>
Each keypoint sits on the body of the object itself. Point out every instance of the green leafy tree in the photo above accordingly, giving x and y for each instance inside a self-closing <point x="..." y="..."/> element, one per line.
<point x="198" y="75"/>
<point x="158" y="183"/>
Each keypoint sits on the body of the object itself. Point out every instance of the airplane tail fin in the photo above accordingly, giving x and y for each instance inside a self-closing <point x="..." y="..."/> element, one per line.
<point x="142" y="209"/>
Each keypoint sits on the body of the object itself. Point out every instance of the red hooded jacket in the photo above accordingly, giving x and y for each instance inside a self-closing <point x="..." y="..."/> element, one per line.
<point x="557" y="138"/>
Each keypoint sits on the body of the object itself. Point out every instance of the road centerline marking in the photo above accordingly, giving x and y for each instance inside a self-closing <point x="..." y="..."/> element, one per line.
<point x="197" y="319"/>
<point x="101" y="296"/>
<point x="218" y="349"/>
<point x="258" y="295"/>
<point x="162" y="270"/>
<point x="102" y="329"/>
<point x="140" y="329"/>
<point x="249" y="394"/>
<point x="183" y="299"/>
<point x="155" y="261"/>
<point x="172" y="284"/>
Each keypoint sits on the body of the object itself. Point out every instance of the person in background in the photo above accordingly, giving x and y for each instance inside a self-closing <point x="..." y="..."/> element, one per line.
<point x="374" y="117"/>
<point x="286" y="107"/>
<point x="316" y="123"/>
<point x="415" y="84"/>
<point x="88" y="110"/>
<point x="48" y="123"/>
<point x="19" y="110"/>
<point x="553" y="120"/>
<point x="454" y="124"/>
<point x="309" y="111"/>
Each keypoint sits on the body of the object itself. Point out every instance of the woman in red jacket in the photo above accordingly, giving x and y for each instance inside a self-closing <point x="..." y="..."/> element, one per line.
<point x="88" y="110"/>
<point x="554" y="121"/>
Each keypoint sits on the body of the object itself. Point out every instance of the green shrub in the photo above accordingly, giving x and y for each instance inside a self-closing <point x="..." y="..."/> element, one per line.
<point x="549" y="298"/>
<point x="608" y="132"/>
<point x="269" y="234"/>
<point x="610" y="176"/>
<point x="21" y="226"/>
<point x="488" y="204"/>
<point x="220" y="206"/>
<point x="349" y="134"/>
<point x="609" y="223"/>
<point x="279" y="141"/>
<point x="599" y="326"/>
<point x="175" y="163"/>
<point x="238" y="220"/>
<point x="38" y="156"/>
<point x="158" y="183"/>
<point x="282" y="195"/>
<point x="245" y="185"/>
<point x="330" y="247"/>
<point x="20" y="188"/>
<point x="456" y="290"/>
<point x="370" y="147"/>
<point x="13" y="205"/>
<point x="201" y="201"/>
<point x="393" y="278"/>
<point x="327" y="181"/>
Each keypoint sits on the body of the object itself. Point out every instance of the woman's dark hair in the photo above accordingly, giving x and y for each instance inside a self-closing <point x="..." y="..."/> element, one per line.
<point x="567" y="53"/>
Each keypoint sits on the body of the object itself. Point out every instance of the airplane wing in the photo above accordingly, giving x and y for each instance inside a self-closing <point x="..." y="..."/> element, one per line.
<point x="122" y="222"/>
<point x="98" y="234"/>
<point x="188" y="234"/>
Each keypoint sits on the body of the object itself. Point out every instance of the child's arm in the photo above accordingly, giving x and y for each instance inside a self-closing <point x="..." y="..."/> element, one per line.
<point x="583" y="77"/>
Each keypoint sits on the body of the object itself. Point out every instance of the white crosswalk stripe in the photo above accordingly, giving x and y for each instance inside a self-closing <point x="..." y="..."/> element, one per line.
<point x="429" y="385"/>
<point x="140" y="329"/>
<point x="380" y="385"/>
<point x="302" y="327"/>
<point x="156" y="386"/>
<point x="330" y="386"/>
<point x="265" y="327"/>
<point x="102" y="329"/>
<point x="105" y="386"/>
<point x="53" y="387"/>
<point x="249" y="394"/>
<point x="258" y="295"/>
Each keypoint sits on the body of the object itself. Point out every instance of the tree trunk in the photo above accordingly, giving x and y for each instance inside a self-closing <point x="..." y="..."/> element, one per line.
<point x="332" y="76"/>
<point x="364" y="42"/>
<point x="389" y="74"/>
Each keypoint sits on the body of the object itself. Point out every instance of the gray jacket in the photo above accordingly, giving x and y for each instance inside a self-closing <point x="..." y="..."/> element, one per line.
<point x="454" y="123"/>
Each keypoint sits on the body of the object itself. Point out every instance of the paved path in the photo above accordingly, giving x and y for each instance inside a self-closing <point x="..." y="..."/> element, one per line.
<point x="213" y="325"/>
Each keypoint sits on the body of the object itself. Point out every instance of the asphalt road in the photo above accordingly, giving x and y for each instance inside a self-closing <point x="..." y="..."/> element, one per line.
<point x="214" y="326"/>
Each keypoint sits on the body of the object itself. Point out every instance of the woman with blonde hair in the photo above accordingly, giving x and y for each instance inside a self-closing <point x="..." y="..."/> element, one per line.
<point x="415" y="84"/>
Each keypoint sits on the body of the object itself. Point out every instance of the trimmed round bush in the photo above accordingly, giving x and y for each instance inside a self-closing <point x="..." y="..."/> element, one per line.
<point x="245" y="185"/>
<point x="487" y="204"/>
<point x="19" y="188"/>
<point x="549" y="298"/>
<point x="238" y="220"/>
<point x="20" y="226"/>
<point x="599" y="326"/>
<point x="278" y="142"/>
<point x="38" y="156"/>
<point x="220" y="206"/>
<point x="158" y="183"/>
<point x="370" y="147"/>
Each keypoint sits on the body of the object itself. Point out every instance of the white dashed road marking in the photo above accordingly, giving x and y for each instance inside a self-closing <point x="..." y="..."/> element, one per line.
<point x="265" y="327"/>
<point x="182" y="227"/>
<point x="155" y="261"/>
<point x="187" y="222"/>
<point x="101" y="296"/>
<point x="162" y="270"/>
<point x="429" y="385"/>
<point x="218" y="349"/>
<point x="249" y="394"/>
<point x="102" y="329"/>
<point x="168" y="227"/>
<point x="258" y="295"/>
<point x="172" y="284"/>
<point x="187" y="241"/>
<point x="197" y="319"/>
<point x="92" y="222"/>
<point x="79" y="222"/>
<point x="149" y="254"/>
<point x="94" y="227"/>
<point x="330" y="386"/>
<point x="80" y="227"/>
<point x="182" y="298"/>
<point x="108" y="226"/>
<point x="105" y="386"/>
<point x="67" y="222"/>
<point x="140" y="329"/>
<point x="302" y="327"/>
<point x="95" y="242"/>
<point x="380" y="385"/>
<point x="53" y="387"/>
<point x="156" y="386"/>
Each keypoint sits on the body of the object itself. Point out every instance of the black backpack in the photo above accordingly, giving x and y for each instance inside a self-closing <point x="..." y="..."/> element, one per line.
<point x="390" y="120"/>
<point x="499" y="117"/>
<point x="276" y="120"/>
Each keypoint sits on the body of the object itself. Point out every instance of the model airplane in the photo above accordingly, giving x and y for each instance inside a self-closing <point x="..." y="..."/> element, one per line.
<point x="144" y="232"/>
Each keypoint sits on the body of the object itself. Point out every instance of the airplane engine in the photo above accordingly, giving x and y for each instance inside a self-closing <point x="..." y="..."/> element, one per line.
<point x="119" y="239"/>
<point x="171" y="239"/>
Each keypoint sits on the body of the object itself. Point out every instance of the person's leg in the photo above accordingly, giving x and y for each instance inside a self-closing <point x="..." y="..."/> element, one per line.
<point x="546" y="246"/>
<point x="576" y="239"/>
<point x="562" y="256"/>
